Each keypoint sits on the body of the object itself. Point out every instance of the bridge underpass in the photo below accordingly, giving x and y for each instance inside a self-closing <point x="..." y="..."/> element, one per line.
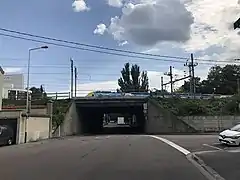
<point x="90" y="113"/>
<point x="85" y="116"/>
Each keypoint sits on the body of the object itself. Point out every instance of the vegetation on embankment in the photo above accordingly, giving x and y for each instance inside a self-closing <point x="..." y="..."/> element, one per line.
<point x="60" y="108"/>
<point x="201" y="107"/>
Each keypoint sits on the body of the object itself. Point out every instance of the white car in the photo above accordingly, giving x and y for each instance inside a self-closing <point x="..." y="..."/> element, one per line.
<point x="230" y="136"/>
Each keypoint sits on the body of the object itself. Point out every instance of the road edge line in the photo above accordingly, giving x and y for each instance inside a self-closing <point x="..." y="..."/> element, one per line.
<point x="212" y="147"/>
<point x="172" y="144"/>
<point x="207" y="171"/>
<point x="204" y="169"/>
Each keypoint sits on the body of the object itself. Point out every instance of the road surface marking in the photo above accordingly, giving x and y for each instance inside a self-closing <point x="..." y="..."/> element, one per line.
<point x="234" y="151"/>
<point x="212" y="146"/>
<point x="204" y="152"/>
<point x="170" y="143"/>
<point x="217" y="144"/>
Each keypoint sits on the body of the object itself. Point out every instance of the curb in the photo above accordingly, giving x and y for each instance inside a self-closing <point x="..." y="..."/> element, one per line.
<point x="207" y="171"/>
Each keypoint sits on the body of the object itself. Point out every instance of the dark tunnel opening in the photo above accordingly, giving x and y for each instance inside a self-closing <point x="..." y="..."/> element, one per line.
<point x="111" y="120"/>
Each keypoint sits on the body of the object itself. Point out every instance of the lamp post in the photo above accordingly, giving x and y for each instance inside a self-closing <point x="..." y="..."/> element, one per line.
<point x="28" y="74"/>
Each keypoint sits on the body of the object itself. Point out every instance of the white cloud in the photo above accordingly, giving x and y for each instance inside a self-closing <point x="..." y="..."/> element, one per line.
<point x="80" y="5"/>
<point x="12" y="70"/>
<point x="147" y="22"/>
<point x="115" y="3"/>
<point x="123" y="43"/>
<point x="101" y="28"/>
<point x="194" y="25"/>
<point x="213" y="25"/>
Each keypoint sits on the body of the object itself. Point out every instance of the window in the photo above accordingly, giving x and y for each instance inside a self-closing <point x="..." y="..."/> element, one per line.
<point x="236" y="128"/>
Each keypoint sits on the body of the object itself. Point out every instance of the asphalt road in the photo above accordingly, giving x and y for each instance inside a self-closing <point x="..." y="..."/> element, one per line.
<point x="96" y="158"/>
<point x="225" y="160"/>
<point x="195" y="143"/>
<point x="224" y="163"/>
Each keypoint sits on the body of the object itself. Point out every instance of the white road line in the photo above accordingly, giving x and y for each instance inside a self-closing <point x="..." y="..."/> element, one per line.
<point x="212" y="146"/>
<point x="204" y="152"/>
<point x="234" y="151"/>
<point x="170" y="143"/>
<point x="217" y="144"/>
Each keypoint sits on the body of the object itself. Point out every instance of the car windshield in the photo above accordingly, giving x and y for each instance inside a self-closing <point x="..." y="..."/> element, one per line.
<point x="236" y="128"/>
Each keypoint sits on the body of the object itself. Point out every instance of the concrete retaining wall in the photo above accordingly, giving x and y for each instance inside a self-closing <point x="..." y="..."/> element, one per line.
<point x="38" y="128"/>
<point x="160" y="120"/>
<point x="211" y="123"/>
<point x="71" y="124"/>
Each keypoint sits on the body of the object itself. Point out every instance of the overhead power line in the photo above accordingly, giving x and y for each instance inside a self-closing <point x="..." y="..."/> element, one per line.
<point x="83" y="74"/>
<point x="91" y="50"/>
<point x="99" y="49"/>
<point x="91" y="46"/>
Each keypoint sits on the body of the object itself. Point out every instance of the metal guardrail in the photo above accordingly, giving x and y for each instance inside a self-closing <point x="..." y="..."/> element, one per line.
<point x="102" y="94"/>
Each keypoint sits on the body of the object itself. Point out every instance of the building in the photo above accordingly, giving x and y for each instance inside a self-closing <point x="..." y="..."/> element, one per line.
<point x="36" y="127"/>
<point x="1" y="86"/>
<point x="12" y="81"/>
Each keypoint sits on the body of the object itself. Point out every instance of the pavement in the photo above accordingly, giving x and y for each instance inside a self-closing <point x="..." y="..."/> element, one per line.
<point x="221" y="159"/>
<point x="110" y="157"/>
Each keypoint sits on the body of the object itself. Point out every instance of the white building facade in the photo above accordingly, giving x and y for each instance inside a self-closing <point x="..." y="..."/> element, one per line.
<point x="1" y="86"/>
<point x="12" y="81"/>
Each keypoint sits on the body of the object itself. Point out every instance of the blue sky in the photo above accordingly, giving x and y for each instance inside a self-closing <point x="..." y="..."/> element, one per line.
<point x="59" y="20"/>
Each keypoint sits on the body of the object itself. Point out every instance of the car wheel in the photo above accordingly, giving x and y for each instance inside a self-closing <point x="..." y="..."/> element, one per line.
<point x="9" y="142"/>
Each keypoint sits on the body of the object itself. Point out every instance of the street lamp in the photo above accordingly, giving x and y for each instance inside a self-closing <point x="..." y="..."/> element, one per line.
<point x="28" y="74"/>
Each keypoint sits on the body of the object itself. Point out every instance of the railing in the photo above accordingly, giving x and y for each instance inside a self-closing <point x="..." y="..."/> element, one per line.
<point x="67" y="95"/>
<point x="59" y="95"/>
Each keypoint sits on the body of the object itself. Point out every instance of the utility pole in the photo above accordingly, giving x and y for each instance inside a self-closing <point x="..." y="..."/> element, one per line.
<point x="190" y="78"/>
<point x="193" y="74"/>
<point x="171" y="78"/>
<point x="71" y="77"/>
<point x="75" y="73"/>
<point x="191" y="65"/>
<point x="162" y="84"/>
<point x="238" y="86"/>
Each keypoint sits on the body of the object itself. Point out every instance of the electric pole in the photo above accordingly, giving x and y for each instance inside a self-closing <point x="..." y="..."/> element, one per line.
<point x="171" y="78"/>
<point x="238" y="86"/>
<point x="71" y="77"/>
<point x="75" y="73"/>
<point x="162" y="84"/>
<point x="193" y="75"/>
<point x="191" y="65"/>
<point x="190" y="76"/>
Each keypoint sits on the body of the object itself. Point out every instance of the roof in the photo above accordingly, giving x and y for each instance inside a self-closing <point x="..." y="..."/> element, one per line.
<point x="1" y="70"/>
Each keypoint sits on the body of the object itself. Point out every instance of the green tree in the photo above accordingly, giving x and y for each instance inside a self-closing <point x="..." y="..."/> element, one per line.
<point x="185" y="88"/>
<point x="220" y="80"/>
<point x="132" y="79"/>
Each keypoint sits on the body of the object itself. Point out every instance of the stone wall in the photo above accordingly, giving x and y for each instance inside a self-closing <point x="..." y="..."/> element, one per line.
<point x="211" y="123"/>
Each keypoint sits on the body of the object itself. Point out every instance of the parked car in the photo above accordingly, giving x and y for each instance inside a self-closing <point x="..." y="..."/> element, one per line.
<point x="230" y="136"/>
<point x="6" y="135"/>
